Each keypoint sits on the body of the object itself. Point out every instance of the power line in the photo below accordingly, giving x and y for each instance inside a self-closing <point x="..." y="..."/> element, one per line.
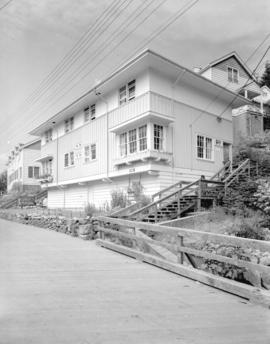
<point x="178" y="14"/>
<point x="225" y="88"/>
<point x="102" y="47"/>
<point x="254" y="71"/>
<point x="5" y="5"/>
<point x="171" y="20"/>
<point x="84" y="41"/>
<point x="128" y="20"/>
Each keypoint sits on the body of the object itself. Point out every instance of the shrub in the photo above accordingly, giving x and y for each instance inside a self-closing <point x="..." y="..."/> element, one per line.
<point x="139" y="195"/>
<point x="90" y="209"/>
<point x="118" y="199"/>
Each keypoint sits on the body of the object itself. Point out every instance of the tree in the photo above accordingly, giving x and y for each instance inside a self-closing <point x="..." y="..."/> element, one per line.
<point x="3" y="182"/>
<point x="265" y="79"/>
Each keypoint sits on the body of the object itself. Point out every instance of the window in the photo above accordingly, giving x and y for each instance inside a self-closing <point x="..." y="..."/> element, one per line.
<point x="71" y="158"/>
<point x="233" y="75"/>
<point x="47" y="167"/>
<point x="36" y="172"/>
<point x="122" y="95"/>
<point x="123" y="144"/>
<point x="158" y="137"/>
<point x="131" y="89"/>
<point x="86" y="154"/>
<point x="66" y="160"/>
<point x="86" y="114"/>
<point x="143" y="138"/>
<point x="93" y="111"/>
<point x="127" y="92"/>
<point x="132" y="138"/>
<point x="30" y="172"/>
<point x="93" y="151"/>
<point x="69" y="123"/>
<point x="204" y="147"/>
<point x="48" y="135"/>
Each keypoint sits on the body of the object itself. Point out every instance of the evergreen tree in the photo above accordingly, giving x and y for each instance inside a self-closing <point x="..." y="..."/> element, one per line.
<point x="265" y="79"/>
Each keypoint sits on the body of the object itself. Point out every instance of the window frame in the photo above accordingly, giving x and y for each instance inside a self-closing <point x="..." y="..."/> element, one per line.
<point x="93" y="150"/>
<point x="86" y="112"/>
<point x="127" y="92"/>
<point x="233" y="75"/>
<point x="93" y="111"/>
<point x="158" y="140"/>
<point x="203" y="147"/>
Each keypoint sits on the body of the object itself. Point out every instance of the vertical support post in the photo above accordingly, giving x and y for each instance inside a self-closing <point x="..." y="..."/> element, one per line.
<point x="155" y="212"/>
<point x="178" y="202"/>
<point x="180" y="244"/>
<point x="199" y="200"/>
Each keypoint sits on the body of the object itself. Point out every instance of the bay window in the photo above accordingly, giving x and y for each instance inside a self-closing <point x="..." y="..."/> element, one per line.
<point x="132" y="140"/>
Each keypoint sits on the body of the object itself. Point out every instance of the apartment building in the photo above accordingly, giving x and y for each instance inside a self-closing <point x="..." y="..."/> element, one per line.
<point x="152" y="121"/>
<point x="22" y="168"/>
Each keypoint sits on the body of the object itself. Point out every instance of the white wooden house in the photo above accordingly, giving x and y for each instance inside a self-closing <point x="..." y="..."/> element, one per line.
<point x="231" y="72"/>
<point x="152" y="121"/>
<point x="22" y="167"/>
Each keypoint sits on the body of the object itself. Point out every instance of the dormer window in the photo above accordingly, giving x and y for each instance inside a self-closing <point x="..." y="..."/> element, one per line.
<point x="69" y="124"/>
<point x="127" y="92"/>
<point x="233" y="75"/>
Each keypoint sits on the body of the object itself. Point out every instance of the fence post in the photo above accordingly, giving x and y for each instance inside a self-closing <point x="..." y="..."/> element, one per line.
<point x="180" y="244"/>
<point x="199" y="196"/>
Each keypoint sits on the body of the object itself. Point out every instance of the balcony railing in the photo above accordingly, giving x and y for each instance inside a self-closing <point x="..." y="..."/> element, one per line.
<point x="145" y="155"/>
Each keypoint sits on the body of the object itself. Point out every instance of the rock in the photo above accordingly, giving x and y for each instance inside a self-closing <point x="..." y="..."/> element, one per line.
<point x="253" y="277"/>
<point x="266" y="280"/>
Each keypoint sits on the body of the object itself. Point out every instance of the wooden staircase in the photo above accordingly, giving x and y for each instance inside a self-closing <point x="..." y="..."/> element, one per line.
<point x="183" y="197"/>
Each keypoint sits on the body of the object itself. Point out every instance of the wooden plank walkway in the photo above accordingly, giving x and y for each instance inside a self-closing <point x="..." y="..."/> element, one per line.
<point x="59" y="289"/>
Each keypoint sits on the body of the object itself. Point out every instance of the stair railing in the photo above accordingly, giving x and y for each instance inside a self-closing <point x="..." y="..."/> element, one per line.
<point x="222" y="171"/>
<point x="161" y="193"/>
<point x="156" y="205"/>
<point x="235" y="174"/>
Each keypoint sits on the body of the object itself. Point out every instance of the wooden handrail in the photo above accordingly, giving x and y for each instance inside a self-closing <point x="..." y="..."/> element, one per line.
<point x="228" y="163"/>
<point x="169" y="188"/>
<point x="128" y="208"/>
<point x="238" y="169"/>
<point x="165" y="198"/>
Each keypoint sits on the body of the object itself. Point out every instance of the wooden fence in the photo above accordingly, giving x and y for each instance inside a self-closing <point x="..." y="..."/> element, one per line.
<point x="127" y="232"/>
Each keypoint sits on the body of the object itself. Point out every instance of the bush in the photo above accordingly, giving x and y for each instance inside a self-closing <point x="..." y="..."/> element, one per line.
<point x="118" y="199"/>
<point x="90" y="210"/>
<point x="139" y="196"/>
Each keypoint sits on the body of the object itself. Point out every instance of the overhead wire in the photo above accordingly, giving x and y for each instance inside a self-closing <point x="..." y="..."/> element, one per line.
<point x="157" y="32"/>
<point x="172" y="19"/>
<point x="128" y="20"/>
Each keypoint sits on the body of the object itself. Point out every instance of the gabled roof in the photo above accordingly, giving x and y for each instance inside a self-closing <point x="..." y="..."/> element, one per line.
<point x="145" y="59"/>
<point x="226" y="57"/>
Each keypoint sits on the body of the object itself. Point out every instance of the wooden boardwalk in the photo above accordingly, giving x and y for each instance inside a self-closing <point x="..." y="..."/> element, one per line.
<point x="59" y="289"/>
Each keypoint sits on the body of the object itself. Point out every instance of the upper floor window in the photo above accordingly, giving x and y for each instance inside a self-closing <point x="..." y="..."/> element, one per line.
<point x="123" y="144"/>
<point x="90" y="152"/>
<point x="233" y="75"/>
<point x="93" y="111"/>
<point x="158" y="137"/>
<point x="204" y="147"/>
<point x="66" y="160"/>
<point x="143" y="138"/>
<point x="69" y="124"/>
<point x="93" y="151"/>
<point x="86" y="114"/>
<point x="127" y="92"/>
<point x="48" y="135"/>
<point x="132" y="141"/>
<point x="33" y="171"/>
<point x="71" y="158"/>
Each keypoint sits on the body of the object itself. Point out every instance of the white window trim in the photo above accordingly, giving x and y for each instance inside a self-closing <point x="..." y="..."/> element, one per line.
<point x="69" y="165"/>
<point x="127" y="97"/>
<point x="137" y="141"/>
<point x="233" y="69"/>
<point x="213" y="150"/>
<point x="90" y="153"/>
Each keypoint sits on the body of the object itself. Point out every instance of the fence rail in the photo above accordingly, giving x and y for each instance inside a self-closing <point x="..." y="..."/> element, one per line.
<point x="125" y="229"/>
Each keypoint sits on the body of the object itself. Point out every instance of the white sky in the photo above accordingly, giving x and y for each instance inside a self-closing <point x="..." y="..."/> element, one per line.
<point x="36" y="34"/>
